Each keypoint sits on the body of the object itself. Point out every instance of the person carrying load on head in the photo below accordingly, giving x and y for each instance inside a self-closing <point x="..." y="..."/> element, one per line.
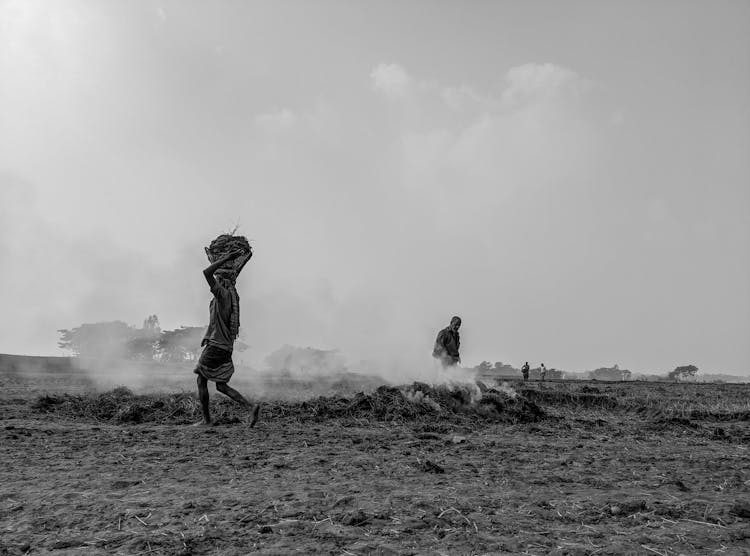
<point x="447" y="344"/>
<point x="215" y="363"/>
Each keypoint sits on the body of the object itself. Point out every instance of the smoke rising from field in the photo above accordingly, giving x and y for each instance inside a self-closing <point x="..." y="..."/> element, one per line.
<point x="560" y="212"/>
<point x="507" y="389"/>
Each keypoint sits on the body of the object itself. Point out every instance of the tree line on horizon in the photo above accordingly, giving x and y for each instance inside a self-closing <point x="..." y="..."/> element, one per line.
<point x="118" y="340"/>
<point x="613" y="373"/>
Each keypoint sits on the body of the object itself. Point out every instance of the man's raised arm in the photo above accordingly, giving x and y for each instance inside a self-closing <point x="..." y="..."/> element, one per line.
<point x="208" y="272"/>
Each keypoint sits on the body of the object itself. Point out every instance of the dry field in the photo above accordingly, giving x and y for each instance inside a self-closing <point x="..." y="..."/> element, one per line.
<point x="564" y="468"/>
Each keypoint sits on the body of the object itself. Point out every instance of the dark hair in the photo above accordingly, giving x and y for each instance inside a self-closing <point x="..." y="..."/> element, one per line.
<point x="456" y="319"/>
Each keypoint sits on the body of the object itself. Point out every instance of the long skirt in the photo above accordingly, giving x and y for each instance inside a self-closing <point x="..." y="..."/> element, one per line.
<point x="215" y="364"/>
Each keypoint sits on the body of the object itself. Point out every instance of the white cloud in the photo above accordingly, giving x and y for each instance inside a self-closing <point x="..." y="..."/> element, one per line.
<point x="542" y="81"/>
<point x="533" y="133"/>
<point x="391" y="79"/>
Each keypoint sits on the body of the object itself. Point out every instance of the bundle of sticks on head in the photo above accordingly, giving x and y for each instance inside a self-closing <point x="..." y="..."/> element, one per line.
<point x="229" y="243"/>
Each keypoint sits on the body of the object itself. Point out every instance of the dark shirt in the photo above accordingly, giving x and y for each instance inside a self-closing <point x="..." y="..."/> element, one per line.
<point x="220" y="313"/>
<point x="447" y="344"/>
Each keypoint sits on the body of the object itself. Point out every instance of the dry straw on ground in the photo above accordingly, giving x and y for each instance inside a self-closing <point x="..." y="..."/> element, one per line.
<point x="423" y="404"/>
<point x="409" y="403"/>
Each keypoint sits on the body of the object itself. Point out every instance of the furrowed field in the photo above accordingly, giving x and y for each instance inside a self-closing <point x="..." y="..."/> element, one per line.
<point x="346" y="466"/>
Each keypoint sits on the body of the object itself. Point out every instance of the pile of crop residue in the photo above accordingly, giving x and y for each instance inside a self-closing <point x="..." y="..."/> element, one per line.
<point x="407" y="403"/>
<point x="122" y="406"/>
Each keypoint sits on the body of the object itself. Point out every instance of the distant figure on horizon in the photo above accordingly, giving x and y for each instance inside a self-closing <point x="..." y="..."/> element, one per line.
<point x="447" y="344"/>
<point x="215" y="363"/>
<point x="543" y="371"/>
<point x="525" y="371"/>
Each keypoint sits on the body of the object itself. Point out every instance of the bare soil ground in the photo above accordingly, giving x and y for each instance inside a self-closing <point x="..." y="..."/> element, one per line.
<point x="625" y="468"/>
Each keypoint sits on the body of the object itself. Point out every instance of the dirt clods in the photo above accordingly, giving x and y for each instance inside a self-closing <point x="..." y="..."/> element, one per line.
<point x="741" y="508"/>
<point x="430" y="467"/>
<point x="355" y="518"/>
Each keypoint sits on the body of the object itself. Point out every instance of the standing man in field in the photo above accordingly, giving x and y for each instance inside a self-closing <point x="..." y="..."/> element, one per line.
<point x="525" y="371"/>
<point x="215" y="363"/>
<point x="447" y="344"/>
<point x="543" y="372"/>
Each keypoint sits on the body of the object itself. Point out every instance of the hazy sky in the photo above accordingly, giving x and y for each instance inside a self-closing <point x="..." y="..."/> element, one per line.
<point x="572" y="178"/>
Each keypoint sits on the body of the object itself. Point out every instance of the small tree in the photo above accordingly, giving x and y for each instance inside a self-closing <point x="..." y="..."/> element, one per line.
<point x="114" y="339"/>
<point x="143" y="345"/>
<point x="181" y="344"/>
<point x="140" y="348"/>
<point x="484" y="368"/>
<point x="100" y="339"/>
<point x="504" y="370"/>
<point x="151" y="326"/>
<point x="613" y="373"/>
<point x="681" y="373"/>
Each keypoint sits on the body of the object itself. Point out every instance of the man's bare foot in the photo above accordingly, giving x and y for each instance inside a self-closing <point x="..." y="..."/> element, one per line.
<point x="255" y="414"/>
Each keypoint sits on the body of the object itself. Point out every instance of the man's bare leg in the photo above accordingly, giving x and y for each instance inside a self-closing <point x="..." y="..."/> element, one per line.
<point x="203" y="395"/>
<point x="227" y="390"/>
